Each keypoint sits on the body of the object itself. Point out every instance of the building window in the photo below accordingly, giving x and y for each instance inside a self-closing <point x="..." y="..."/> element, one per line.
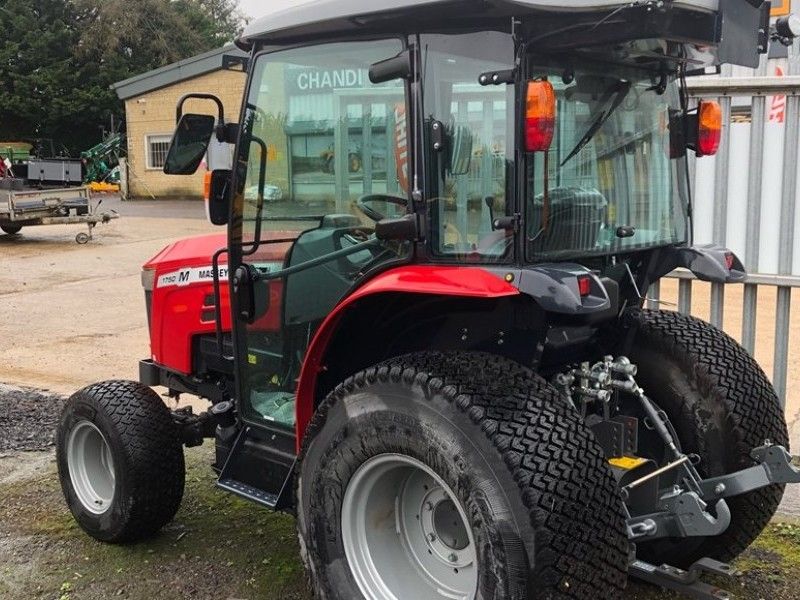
<point x="156" y="148"/>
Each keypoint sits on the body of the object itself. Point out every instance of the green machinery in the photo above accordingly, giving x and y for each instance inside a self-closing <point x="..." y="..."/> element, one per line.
<point x="101" y="162"/>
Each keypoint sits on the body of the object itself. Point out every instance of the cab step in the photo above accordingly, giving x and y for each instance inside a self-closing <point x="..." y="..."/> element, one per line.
<point x="259" y="469"/>
<point x="248" y="492"/>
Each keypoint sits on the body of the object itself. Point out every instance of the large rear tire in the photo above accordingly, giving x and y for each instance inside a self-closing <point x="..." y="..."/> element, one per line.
<point x="466" y="467"/>
<point x="11" y="229"/>
<point x="120" y="461"/>
<point x="722" y="406"/>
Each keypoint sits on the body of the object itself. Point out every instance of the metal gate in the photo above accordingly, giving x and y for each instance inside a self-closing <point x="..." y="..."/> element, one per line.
<point x="746" y="198"/>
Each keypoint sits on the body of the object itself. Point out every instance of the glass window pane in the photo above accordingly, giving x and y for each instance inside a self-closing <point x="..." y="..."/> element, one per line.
<point x="317" y="140"/>
<point x="609" y="166"/>
<point x="468" y="197"/>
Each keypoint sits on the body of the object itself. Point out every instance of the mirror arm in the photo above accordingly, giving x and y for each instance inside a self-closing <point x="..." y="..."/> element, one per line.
<point x="212" y="97"/>
<point x="262" y="176"/>
<point x="397" y="67"/>
<point x="227" y="133"/>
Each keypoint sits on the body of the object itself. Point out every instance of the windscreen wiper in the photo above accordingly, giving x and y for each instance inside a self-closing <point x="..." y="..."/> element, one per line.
<point x="623" y="88"/>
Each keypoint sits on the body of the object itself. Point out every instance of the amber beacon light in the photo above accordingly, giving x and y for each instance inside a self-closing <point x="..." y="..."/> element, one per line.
<point x="709" y="128"/>
<point x="540" y="116"/>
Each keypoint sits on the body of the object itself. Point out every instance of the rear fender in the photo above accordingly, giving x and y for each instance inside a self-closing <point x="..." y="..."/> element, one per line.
<point x="456" y="282"/>
<point x="708" y="262"/>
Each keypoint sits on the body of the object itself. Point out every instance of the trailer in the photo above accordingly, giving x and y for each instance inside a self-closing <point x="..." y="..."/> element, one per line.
<point x="28" y="208"/>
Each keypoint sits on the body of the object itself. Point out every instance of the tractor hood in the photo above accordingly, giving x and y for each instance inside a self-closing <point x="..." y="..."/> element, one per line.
<point x="199" y="251"/>
<point x="730" y="28"/>
<point x="188" y="252"/>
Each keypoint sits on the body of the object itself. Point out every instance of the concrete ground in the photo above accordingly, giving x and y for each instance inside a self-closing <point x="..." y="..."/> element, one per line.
<point x="71" y="315"/>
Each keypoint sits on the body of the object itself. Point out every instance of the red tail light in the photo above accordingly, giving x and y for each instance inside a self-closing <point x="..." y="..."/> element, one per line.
<point x="709" y="128"/>
<point x="540" y="116"/>
<point x="729" y="260"/>
<point x="584" y="286"/>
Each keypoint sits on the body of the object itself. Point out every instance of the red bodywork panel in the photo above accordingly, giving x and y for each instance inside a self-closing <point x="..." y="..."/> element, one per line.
<point x="182" y="304"/>
<point x="471" y="282"/>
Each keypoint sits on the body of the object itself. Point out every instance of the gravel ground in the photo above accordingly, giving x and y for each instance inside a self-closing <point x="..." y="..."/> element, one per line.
<point x="28" y="418"/>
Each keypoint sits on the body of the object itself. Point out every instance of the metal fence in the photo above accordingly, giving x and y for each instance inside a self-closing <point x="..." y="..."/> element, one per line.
<point x="762" y="228"/>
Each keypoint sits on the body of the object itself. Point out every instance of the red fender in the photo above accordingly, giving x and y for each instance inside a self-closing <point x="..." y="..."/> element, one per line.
<point x="433" y="280"/>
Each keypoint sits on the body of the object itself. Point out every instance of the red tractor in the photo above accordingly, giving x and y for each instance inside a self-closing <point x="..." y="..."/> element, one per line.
<point x="440" y="362"/>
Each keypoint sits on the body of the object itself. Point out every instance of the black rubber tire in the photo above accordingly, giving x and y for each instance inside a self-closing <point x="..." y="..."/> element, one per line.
<point x="146" y="452"/>
<point x="721" y="405"/>
<point x="543" y="506"/>
<point x="11" y="229"/>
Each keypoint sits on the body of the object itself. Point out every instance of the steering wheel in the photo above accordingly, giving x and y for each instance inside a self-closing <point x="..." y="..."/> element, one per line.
<point x="373" y="214"/>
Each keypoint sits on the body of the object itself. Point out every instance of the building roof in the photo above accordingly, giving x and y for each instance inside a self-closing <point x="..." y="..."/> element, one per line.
<point x="174" y="73"/>
<point x="315" y="17"/>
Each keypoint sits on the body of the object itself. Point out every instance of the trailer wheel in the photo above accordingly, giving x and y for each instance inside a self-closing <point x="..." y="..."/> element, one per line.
<point x="721" y="405"/>
<point x="456" y="475"/>
<point x="120" y="461"/>
<point x="11" y="229"/>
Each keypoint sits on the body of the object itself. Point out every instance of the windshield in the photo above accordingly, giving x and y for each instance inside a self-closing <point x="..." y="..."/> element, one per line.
<point x="607" y="183"/>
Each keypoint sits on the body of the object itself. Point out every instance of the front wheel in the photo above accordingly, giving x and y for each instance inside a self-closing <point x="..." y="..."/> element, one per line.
<point x="11" y="229"/>
<point x="120" y="461"/>
<point x="456" y="475"/>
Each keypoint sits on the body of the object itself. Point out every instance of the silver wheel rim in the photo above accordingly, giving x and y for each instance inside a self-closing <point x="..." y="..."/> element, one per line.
<point x="91" y="467"/>
<point x="405" y="534"/>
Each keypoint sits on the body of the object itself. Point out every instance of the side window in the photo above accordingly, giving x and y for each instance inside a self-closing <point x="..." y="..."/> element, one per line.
<point x="328" y="136"/>
<point x="474" y="184"/>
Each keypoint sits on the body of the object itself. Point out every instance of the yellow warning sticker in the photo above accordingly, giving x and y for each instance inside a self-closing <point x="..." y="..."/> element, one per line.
<point x="626" y="462"/>
<point x="252" y="359"/>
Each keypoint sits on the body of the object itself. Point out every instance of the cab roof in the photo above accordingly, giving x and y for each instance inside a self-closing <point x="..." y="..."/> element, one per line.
<point x="315" y="18"/>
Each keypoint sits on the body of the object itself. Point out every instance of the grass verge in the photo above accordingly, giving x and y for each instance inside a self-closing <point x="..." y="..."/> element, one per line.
<point x="221" y="547"/>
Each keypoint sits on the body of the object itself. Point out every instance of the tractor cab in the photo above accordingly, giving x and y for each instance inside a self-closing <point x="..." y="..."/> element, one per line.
<point x="424" y="332"/>
<point x="542" y="144"/>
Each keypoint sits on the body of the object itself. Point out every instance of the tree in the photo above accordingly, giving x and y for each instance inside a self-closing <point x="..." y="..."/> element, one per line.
<point x="218" y="20"/>
<point x="37" y="67"/>
<point x="58" y="58"/>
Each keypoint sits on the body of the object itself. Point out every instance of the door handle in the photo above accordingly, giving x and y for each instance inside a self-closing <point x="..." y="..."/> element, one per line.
<point x="251" y="293"/>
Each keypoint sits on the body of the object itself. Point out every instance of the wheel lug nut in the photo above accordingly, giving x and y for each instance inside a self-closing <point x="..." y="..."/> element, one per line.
<point x="428" y="506"/>
<point x="453" y="557"/>
<point x="432" y="537"/>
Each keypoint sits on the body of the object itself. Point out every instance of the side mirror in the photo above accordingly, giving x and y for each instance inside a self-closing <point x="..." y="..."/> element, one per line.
<point x="461" y="141"/>
<point x="189" y="144"/>
<point x="218" y="197"/>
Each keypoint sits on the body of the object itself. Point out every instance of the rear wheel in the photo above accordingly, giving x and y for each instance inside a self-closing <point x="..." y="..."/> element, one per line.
<point x="456" y="475"/>
<point x="722" y="406"/>
<point x="11" y="229"/>
<point x="120" y="461"/>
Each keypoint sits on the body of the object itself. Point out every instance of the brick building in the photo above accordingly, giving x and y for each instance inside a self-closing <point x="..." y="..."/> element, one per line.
<point x="150" y="101"/>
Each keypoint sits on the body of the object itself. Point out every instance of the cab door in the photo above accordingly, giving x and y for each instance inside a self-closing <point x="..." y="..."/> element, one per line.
<point x="317" y="137"/>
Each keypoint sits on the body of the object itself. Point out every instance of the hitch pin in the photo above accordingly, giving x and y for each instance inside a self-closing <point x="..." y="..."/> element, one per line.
<point x="656" y="473"/>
